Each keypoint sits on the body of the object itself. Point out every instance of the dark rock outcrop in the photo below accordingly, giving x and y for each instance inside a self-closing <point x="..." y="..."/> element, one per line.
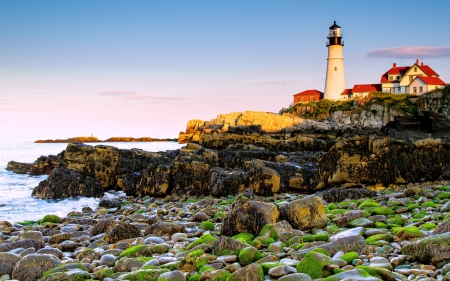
<point x="18" y="168"/>
<point x="337" y="194"/>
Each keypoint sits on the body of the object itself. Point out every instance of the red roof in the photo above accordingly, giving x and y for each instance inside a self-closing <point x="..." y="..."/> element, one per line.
<point x="309" y="93"/>
<point x="364" y="88"/>
<point x="401" y="70"/>
<point x="428" y="71"/>
<point x="346" y="92"/>
<point x="431" y="80"/>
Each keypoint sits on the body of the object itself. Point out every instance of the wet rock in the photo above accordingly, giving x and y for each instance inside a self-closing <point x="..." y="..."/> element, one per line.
<point x="336" y="194"/>
<point x="200" y="216"/>
<point x="433" y="249"/>
<point x="18" y="168"/>
<point x="305" y="213"/>
<point x="121" y="231"/>
<point x="225" y="182"/>
<point x="353" y="274"/>
<point x="58" y="238"/>
<point x="31" y="267"/>
<point x="7" y="262"/>
<point x="109" y="203"/>
<point x="108" y="260"/>
<point x="64" y="183"/>
<point x="442" y="227"/>
<point x="175" y="275"/>
<point x="164" y="228"/>
<point x="102" y="226"/>
<point x="44" y="165"/>
<point x="51" y="251"/>
<point x="252" y="272"/>
<point x="249" y="216"/>
<point x="25" y="243"/>
<point x="296" y="277"/>
<point x="225" y="246"/>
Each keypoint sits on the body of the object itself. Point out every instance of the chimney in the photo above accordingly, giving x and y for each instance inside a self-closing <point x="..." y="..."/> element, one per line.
<point x="394" y="65"/>
<point x="417" y="61"/>
<point x="421" y="64"/>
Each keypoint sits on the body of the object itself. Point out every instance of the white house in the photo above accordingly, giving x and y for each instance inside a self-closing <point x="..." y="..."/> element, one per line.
<point x="398" y="79"/>
<point x="424" y="84"/>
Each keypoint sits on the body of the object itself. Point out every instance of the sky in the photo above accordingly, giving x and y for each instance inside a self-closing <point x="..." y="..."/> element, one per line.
<point x="144" y="68"/>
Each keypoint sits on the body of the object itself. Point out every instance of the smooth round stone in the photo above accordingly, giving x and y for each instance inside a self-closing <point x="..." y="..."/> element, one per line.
<point x="152" y="263"/>
<point x="108" y="260"/>
<point x="35" y="235"/>
<point x="17" y="250"/>
<point x="122" y="245"/>
<point x="51" y="251"/>
<point x="137" y="217"/>
<point x="446" y="207"/>
<point x="290" y="262"/>
<point x="164" y="260"/>
<point x="276" y="247"/>
<point x="81" y="234"/>
<point x="153" y="239"/>
<point x="138" y="241"/>
<point x="28" y="251"/>
<point x="175" y="275"/>
<point x="228" y="258"/>
<point x="177" y="237"/>
<point x="114" y="252"/>
<point x="71" y="228"/>
<point x="295" y="277"/>
<point x="282" y="270"/>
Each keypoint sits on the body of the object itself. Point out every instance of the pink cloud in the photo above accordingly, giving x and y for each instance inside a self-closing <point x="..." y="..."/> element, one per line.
<point x="410" y="52"/>
<point x="117" y="93"/>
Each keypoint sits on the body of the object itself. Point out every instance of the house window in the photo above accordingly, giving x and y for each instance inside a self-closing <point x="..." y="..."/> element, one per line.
<point x="300" y="99"/>
<point x="420" y="89"/>
<point x="406" y="89"/>
<point x="415" y="69"/>
<point x="410" y="79"/>
<point x="335" y="68"/>
<point x="399" y="89"/>
<point x="398" y="77"/>
<point x="415" y="90"/>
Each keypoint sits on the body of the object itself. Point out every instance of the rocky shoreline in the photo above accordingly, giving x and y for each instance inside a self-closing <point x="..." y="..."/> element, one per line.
<point x="387" y="233"/>
<point x="112" y="139"/>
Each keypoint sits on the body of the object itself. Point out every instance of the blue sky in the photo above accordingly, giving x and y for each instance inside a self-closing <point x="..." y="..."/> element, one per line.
<point x="144" y="68"/>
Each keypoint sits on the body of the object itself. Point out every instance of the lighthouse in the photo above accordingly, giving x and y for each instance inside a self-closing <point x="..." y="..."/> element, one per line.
<point x="335" y="81"/>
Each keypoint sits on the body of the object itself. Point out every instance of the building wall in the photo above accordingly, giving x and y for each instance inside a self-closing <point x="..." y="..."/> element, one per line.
<point x="418" y="83"/>
<point x="335" y="80"/>
<point x="306" y="98"/>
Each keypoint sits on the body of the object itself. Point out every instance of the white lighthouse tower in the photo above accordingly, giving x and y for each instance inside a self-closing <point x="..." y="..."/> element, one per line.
<point x="335" y="81"/>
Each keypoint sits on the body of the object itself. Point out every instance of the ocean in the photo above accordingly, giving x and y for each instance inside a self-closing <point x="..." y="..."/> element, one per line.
<point x="16" y="202"/>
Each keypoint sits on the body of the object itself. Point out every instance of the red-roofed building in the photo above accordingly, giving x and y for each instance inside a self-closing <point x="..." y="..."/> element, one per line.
<point x="347" y="94"/>
<point x="398" y="79"/>
<point x="363" y="90"/>
<point x="424" y="84"/>
<point x="307" y="96"/>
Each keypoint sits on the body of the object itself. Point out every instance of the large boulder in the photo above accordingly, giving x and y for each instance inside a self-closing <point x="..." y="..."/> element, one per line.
<point x="7" y="262"/>
<point x="44" y="165"/>
<point x="249" y="216"/>
<point x="305" y="213"/>
<point x="432" y="249"/>
<point x="63" y="183"/>
<point x="18" y="168"/>
<point x="409" y="149"/>
<point x="31" y="267"/>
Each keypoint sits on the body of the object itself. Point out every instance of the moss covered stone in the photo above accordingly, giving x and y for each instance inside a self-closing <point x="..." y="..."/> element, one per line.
<point x="368" y="203"/>
<point x="372" y="240"/>
<point x="379" y="272"/>
<point x="429" y="204"/>
<point x="204" y="239"/>
<point x="194" y="277"/>
<point x="397" y="220"/>
<point x="244" y="237"/>
<point x="407" y="232"/>
<point x="314" y="265"/>
<point x="136" y="251"/>
<point x="49" y="218"/>
<point x="143" y="274"/>
<point x="249" y="272"/>
<point x="207" y="225"/>
<point x="387" y="211"/>
<point x="353" y="274"/>
<point x="249" y="255"/>
<point x="266" y="266"/>
<point x="349" y="257"/>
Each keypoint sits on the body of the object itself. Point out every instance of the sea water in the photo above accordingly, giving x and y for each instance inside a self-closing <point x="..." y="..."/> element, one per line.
<point x="16" y="202"/>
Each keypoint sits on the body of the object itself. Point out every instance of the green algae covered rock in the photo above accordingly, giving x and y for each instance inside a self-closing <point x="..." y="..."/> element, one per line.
<point x="144" y="274"/>
<point x="136" y="251"/>
<point x="353" y="274"/>
<point x="69" y="272"/>
<point x="275" y="230"/>
<point x="49" y="218"/>
<point x="207" y="225"/>
<point x="204" y="239"/>
<point x="368" y="203"/>
<point x="361" y="222"/>
<point x="349" y="257"/>
<point x="252" y="272"/>
<point x="244" y="237"/>
<point x="373" y="240"/>
<point x="266" y="266"/>
<point x="379" y="272"/>
<point x="249" y="255"/>
<point x="434" y="249"/>
<point x="382" y="211"/>
<point x="407" y="232"/>
<point x="227" y="246"/>
<point x="31" y="267"/>
<point x="314" y="264"/>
